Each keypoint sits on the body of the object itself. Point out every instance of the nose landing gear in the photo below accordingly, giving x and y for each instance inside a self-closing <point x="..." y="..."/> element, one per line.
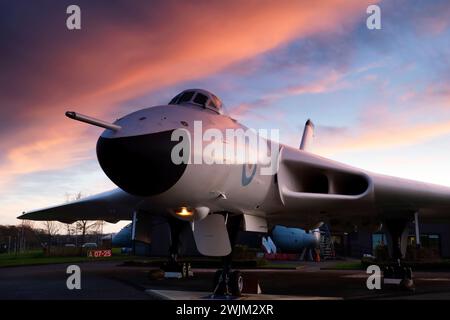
<point x="227" y="282"/>
<point x="173" y="268"/>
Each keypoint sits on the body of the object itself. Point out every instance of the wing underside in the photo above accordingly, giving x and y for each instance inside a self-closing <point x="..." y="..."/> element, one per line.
<point x="111" y="206"/>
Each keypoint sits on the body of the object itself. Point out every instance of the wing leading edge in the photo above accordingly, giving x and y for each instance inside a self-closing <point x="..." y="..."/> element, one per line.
<point x="110" y="206"/>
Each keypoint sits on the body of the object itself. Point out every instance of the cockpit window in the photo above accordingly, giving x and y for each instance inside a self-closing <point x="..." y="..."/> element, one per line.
<point x="198" y="97"/>
<point x="212" y="104"/>
<point x="186" y="97"/>
<point x="201" y="99"/>
<point x="216" y="100"/>
<point x="174" y="100"/>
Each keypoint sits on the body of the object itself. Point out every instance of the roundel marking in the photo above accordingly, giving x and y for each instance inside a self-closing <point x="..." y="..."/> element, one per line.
<point x="248" y="172"/>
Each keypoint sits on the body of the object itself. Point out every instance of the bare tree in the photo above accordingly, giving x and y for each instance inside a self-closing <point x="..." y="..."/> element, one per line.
<point x="70" y="229"/>
<point x="28" y="224"/>
<point x="51" y="229"/>
<point x="85" y="227"/>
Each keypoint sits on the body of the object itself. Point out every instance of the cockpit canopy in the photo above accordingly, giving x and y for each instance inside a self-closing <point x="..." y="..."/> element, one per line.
<point x="199" y="97"/>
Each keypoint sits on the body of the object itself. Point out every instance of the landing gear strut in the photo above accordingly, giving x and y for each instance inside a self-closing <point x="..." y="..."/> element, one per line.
<point x="395" y="273"/>
<point x="173" y="268"/>
<point x="226" y="281"/>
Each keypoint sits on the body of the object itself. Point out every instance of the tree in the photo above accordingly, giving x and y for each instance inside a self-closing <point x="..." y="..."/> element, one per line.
<point x="85" y="227"/>
<point x="51" y="229"/>
<point x="70" y="229"/>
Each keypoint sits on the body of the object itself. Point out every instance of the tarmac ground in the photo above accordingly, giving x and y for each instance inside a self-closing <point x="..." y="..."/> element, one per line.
<point x="111" y="280"/>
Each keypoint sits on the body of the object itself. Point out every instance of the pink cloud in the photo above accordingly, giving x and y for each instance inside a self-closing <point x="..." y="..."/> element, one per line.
<point x="331" y="82"/>
<point x="110" y="63"/>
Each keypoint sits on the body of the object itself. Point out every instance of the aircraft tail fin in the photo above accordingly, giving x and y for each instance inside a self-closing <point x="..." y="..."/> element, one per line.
<point x="308" y="136"/>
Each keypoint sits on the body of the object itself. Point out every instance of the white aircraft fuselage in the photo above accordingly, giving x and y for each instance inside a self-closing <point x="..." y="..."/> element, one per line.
<point x="137" y="153"/>
<point x="306" y="188"/>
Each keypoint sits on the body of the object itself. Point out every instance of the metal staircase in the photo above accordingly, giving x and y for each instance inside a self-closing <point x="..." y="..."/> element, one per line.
<point x="326" y="243"/>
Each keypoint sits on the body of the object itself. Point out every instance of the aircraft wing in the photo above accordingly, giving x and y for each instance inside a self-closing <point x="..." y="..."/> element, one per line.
<point x="110" y="206"/>
<point x="324" y="188"/>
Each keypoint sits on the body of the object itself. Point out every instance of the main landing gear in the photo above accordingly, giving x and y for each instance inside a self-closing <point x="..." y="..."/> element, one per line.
<point x="395" y="273"/>
<point x="401" y="276"/>
<point x="228" y="282"/>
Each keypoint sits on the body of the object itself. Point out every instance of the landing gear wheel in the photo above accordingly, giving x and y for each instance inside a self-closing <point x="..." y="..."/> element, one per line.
<point x="236" y="283"/>
<point x="400" y="276"/>
<point x="226" y="284"/>
<point x="229" y="283"/>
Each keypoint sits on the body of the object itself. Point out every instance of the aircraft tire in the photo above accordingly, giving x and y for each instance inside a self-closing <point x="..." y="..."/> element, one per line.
<point x="236" y="283"/>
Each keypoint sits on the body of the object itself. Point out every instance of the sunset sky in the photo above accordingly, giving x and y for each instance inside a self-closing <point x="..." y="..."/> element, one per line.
<point x="380" y="99"/>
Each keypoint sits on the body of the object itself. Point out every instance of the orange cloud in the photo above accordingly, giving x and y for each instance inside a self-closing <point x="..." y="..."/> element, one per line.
<point x="51" y="153"/>
<point x="110" y="61"/>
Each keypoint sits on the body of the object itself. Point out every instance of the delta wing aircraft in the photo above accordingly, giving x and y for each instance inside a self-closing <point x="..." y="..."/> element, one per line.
<point x="145" y="155"/>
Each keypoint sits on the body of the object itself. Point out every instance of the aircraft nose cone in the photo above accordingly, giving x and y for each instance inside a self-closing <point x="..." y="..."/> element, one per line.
<point x="140" y="165"/>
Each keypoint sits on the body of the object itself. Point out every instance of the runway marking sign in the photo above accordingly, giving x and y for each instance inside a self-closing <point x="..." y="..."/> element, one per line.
<point x="99" y="253"/>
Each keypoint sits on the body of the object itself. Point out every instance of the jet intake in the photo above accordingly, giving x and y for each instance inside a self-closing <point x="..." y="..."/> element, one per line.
<point x="309" y="176"/>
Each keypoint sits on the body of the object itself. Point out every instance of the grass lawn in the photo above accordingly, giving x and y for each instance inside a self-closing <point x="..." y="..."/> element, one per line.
<point x="37" y="257"/>
<point x="347" y="265"/>
<point x="285" y="265"/>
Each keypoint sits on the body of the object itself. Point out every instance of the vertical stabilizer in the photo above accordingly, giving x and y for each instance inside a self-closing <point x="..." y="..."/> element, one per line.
<point x="308" y="135"/>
